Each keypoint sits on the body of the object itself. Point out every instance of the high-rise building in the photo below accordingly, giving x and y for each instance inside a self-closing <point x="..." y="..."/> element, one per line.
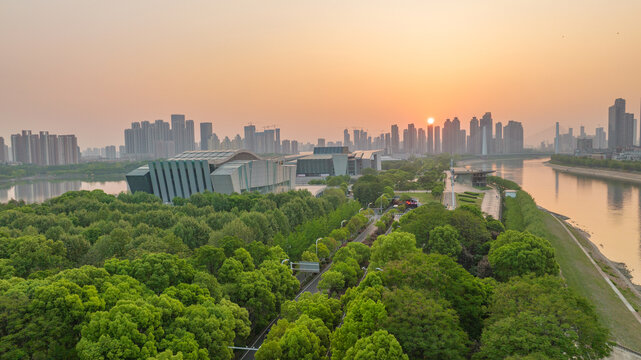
<point x="190" y="136"/>
<point x="620" y="126"/>
<point x="45" y="149"/>
<point x="346" y="139"/>
<point x="582" y="131"/>
<point x="557" y="139"/>
<point x="409" y="139"/>
<point x="395" y="139"/>
<point x="600" y="141"/>
<point x="486" y="133"/>
<point x="178" y="132"/>
<point x="321" y="142"/>
<point x="437" y="139"/>
<point x="206" y="130"/>
<point x="110" y="152"/>
<point x="430" y="139"/>
<point x="286" y="147"/>
<point x="498" y="138"/>
<point x="3" y="154"/>
<point x="474" y="143"/>
<point x="294" y="147"/>
<point x="421" y="144"/>
<point x="388" y="144"/>
<point x="513" y="137"/>
<point x="250" y="138"/>
<point x="277" y="139"/>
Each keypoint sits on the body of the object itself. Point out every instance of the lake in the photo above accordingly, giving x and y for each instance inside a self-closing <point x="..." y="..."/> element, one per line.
<point x="39" y="191"/>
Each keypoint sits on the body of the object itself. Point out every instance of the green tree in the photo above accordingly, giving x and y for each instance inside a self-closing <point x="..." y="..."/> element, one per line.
<point x="394" y="246"/>
<point x="331" y="282"/>
<point x="515" y="254"/>
<point x="244" y="258"/>
<point x="316" y="306"/>
<point x="381" y="345"/>
<point x="194" y="233"/>
<point x="445" y="240"/>
<point x="441" y="275"/>
<point x="425" y="327"/>
<point x="35" y="253"/>
<point x="541" y="315"/>
<point x="127" y="331"/>
<point x="362" y="319"/>
<point x="209" y="258"/>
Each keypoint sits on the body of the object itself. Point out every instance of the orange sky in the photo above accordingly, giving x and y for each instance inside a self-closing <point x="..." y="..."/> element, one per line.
<point x="313" y="67"/>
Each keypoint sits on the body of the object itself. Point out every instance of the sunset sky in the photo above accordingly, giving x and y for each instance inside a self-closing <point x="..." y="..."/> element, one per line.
<point x="314" y="68"/>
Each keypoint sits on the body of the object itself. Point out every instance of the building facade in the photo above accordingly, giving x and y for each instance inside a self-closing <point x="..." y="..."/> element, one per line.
<point x="224" y="172"/>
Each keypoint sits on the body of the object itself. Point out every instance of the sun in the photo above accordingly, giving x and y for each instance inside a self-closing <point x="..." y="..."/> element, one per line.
<point x="430" y="121"/>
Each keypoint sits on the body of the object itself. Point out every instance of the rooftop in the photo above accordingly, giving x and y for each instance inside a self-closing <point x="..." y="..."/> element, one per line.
<point x="216" y="157"/>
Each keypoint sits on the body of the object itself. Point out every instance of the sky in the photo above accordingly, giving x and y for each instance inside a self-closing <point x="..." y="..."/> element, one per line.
<point x="314" y="68"/>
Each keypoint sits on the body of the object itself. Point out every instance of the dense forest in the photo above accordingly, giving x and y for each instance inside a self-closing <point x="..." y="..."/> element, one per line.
<point x="93" y="276"/>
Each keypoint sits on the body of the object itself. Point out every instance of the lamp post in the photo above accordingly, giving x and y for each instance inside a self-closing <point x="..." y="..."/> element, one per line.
<point x="379" y="269"/>
<point x="317" y="247"/>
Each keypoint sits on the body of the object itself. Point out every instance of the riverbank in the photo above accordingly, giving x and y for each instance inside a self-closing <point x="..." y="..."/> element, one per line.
<point x="586" y="271"/>
<point x="477" y="160"/>
<point x="620" y="175"/>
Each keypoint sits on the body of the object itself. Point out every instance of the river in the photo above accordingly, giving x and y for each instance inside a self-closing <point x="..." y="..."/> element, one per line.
<point x="39" y="191"/>
<point x="609" y="210"/>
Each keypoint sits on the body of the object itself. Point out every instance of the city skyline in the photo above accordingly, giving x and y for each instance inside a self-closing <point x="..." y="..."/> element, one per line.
<point x="305" y="66"/>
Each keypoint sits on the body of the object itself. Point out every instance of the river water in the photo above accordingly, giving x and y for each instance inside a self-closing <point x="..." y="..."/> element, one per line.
<point x="39" y="191"/>
<point x="609" y="210"/>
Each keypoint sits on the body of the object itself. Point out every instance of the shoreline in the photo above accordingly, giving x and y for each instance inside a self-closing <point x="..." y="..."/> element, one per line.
<point x="598" y="172"/>
<point x="621" y="276"/>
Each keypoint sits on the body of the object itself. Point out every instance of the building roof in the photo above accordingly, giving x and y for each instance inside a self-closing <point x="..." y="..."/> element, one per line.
<point x="365" y="154"/>
<point x="216" y="157"/>
<point x="143" y="170"/>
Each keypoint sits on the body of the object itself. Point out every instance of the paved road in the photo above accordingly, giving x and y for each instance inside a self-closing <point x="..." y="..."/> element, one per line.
<point x="312" y="287"/>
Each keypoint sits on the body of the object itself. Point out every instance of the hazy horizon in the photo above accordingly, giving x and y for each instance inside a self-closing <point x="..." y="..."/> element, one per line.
<point x="313" y="69"/>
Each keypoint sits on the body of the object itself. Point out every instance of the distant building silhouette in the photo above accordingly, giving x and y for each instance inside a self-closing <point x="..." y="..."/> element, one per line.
<point x="206" y="130"/>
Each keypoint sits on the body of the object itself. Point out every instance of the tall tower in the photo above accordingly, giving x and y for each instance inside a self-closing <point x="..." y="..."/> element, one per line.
<point x="556" y="139"/>
<point x="206" y="130"/>
<point x="430" y="138"/>
<point x="178" y="131"/>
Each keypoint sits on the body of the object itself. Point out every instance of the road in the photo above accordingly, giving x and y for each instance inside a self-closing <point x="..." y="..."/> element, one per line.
<point x="311" y="287"/>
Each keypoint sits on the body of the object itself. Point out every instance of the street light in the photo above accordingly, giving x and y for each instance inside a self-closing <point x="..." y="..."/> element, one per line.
<point x="317" y="247"/>
<point x="343" y="222"/>
<point x="283" y="262"/>
<point x="379" y="269"/>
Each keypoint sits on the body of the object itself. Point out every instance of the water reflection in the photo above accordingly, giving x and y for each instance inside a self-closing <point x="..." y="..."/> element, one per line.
<point x="609" y="210"/>
<point x="40" y="191"/>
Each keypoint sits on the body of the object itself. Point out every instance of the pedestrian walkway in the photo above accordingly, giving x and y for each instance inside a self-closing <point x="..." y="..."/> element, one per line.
<point x="491" y="204"/>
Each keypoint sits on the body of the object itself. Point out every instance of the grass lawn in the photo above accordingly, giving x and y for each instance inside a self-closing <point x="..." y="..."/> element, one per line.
<point x="583" y="278"/>
<point x="477" y="202"/>
<point x="422" y="197"/>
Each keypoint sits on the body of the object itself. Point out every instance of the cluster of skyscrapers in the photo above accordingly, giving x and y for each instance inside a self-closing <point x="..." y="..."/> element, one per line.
<point x="41" y="149"/>
<point x="146" y="140"/>
<point x="622" y="135"/>
<point x="484" y="138"/>
<point x="268" y="141"/>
